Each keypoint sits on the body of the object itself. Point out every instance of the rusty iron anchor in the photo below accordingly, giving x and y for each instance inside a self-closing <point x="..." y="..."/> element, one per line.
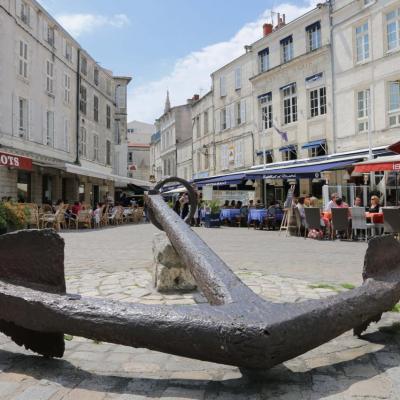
<point x="237" y="327"/>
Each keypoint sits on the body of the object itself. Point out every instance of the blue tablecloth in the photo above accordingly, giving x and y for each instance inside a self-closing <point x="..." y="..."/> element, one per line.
<point x="256" y="214"/>
<point x="229" y="214"/>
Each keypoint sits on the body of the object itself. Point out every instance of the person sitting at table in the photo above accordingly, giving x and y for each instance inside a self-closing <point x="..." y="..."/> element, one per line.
<point x="332" y="203"/>
<point x="358" y="202"/>
<point x="375" y="206"/>
<point x="233" y="204"/>
<point x="226" y="204"/>
<point x="259" y="204"/>
<point x="251" y="204"/>
<point x="340" y="203"/>
<point x="239" y="205"/>
<point x="313" y="201"/>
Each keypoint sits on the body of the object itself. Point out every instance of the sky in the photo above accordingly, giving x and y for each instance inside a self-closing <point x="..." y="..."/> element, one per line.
<point x="167" y="44"/>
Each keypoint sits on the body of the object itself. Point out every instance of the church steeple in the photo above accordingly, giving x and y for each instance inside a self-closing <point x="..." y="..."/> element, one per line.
<point x="167" y="104"/>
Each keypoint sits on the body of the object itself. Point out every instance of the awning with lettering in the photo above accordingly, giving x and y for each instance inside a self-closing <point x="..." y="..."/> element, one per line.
<point x="15" y="161"/>
<point x="389" y="163"/>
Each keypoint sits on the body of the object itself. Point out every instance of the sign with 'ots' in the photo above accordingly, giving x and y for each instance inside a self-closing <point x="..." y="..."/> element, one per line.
<point x="13" y="161"/>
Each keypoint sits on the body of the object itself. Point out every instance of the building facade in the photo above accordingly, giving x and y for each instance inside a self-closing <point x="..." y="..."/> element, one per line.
<point x="204" y="150"/>
<point x="366" y="54"/>
<point x="175" y="127"/>
<point x="184" y="152"/>
<point x="139" y="138"/>
<point x="57" y="108"/>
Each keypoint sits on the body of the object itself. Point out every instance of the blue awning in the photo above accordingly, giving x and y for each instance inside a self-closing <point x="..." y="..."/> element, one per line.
<point x="261" y="152"/>
<point x="232" y="179"/>
<point x="289" y="147"/>
<point x="303" y="171"/>
<point x="314" y="144"/>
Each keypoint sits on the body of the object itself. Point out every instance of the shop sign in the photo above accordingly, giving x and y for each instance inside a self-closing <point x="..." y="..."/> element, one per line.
<point x="396" y="167"/>
<point x="17" y="162"/>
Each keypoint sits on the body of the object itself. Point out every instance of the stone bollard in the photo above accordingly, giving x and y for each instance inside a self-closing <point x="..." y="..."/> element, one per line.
<point x="170" y="274"/>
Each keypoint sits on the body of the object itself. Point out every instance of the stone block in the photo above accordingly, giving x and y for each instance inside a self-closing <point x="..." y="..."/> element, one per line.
<point x="170" y="273"/>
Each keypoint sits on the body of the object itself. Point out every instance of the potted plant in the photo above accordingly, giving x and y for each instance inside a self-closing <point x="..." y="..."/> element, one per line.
<point x="211" y="219"/>
<point x="13" y="217"/>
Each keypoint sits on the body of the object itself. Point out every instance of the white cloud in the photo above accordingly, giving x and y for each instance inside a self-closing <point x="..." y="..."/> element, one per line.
<point x="78" y="24"/>
<point x="192" y="72"/>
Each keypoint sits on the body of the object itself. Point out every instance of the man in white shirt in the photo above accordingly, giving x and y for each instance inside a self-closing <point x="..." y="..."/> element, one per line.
<point x="332" y="203"/>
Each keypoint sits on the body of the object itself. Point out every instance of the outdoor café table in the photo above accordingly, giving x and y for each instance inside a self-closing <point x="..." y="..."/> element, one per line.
<point x="376" y="219"/>
<point x="229" y="214"/>
<point x="256" y="214"/>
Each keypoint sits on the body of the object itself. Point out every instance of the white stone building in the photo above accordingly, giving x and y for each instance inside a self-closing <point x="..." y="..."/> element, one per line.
<point x="366" y="46"/>
<point x="233" y="113"/>
<point x="184" y="151"/>
<point x="139" y="138"/>
<point x="204" y="151"/>
<point x="57" y="109"/>
<point x="174" y="127"/>
<point x="156" y="171"/>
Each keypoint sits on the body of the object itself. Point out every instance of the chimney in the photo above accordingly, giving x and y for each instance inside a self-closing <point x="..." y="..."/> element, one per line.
<point x="284" y="19"/>
<point x="267" y="29"/>
<point x="196" y="97"/>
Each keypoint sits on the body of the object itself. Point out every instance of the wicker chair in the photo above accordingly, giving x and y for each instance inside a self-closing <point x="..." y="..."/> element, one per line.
<point x="84" y="217"/>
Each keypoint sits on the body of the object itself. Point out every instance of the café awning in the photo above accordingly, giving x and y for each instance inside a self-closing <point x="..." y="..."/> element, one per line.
<point x="15" y="161"/>
<point x="388" y="163"/>
<point x="229" y="179"/>
<point x="314" y="144"/>
<point x="395" y="147"/>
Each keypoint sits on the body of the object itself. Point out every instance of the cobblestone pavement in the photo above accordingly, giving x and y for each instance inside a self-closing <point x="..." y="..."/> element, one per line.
<point x="116" y="263"/>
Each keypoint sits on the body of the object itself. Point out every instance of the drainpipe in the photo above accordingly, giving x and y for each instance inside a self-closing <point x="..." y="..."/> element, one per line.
<point x="78" y="88"/>
<point x="333" y="96"/>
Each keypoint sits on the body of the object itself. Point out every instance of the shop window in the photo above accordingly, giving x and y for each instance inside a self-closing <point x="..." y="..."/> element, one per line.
<point x="24" y="187"/>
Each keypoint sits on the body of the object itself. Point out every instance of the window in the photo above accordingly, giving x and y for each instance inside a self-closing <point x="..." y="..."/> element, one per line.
<point x="22" y="117"/>
<point x="66" y="135"/>
<point x="224" y="157"/>
<point x="393" y="29"/>
<point x="266" y="111"/>
<point x="108" y="152"/>
<point x="222" y="86"/>
<point x="108" y="87"/>
<point x="238" y="78"/>
<point x="237" y="113"/>
<point x="317" y="102"/>
<point x="108" y="117"/>
<point x="289" y="154"/>
<point x="24" y="186"/>
<point x="50" y="35"/>
<point x="96" y="147"/>
<point x="317" y="151"/>
<point x="49" y="77"/>
<point x="67" y="88"/>
<point x="23" y="59"/>
<point x="287" y="49"/>
<point x="83" y="142"/>
<point x="117" y="133"/>
<point x="198" y="161"/>
<point x="205" y="118"/>
<point x="206" y="161"/>
<point x="242" y="111"/>
<point x="96" y="76"/>
<point x="239" y="156"/>
<point x="368" y="2"/>
<point x="68" y="51"/>
<point x="263" y="60"/>
<point x="394" y="103"/>
<point x="362" y="42"/>
<point x="50" y="128"/>
<point x="289" y="103"/>
<point x="314" y="36"/>
<point x="83" y="99"/>
<point x="83" y="65"/>
<point x="130" y="157"/>
<point x="96" y="108"/>
<point x="25" y="13"/>
<point x="198" y="130"/>
<point x="223" y="119"/>
<point x="362" y="110"/>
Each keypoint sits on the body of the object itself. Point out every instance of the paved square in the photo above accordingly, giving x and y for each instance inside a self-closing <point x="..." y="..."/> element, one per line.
<point x="116" y="263"/>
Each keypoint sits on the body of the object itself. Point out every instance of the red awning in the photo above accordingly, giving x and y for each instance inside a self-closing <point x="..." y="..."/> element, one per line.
<point x="378" y="166"/>
<point x="14" y="161"/>
<point x="395" y="147"/>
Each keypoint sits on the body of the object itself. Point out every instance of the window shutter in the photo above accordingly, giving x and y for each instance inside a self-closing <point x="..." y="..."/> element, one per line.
<point x="232" y="115"/>
<point x="44" y="130"/>
<point x="18" y="7"/>
<point x="228" y="116"/>
<point x="45" y="28"/>
<point x="243" y="111"/>
<point x="29" y="125"/>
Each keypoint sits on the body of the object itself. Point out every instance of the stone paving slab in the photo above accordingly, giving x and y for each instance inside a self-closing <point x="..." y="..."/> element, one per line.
<point x="116" y="263"/>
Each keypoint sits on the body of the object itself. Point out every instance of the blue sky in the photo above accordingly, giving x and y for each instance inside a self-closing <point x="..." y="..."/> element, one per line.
<point x="166" y="44"/>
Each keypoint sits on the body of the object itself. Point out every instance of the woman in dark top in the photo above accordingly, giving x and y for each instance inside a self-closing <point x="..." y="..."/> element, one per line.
<point x="375" y="206"/>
